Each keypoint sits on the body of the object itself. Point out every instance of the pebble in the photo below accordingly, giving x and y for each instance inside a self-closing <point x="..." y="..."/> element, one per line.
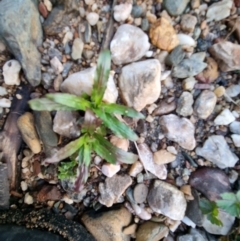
<point x="188" y="23"/>
<point x="235" y="127"/>
<point x="5" y="103"/>
<point x="129" y="44"/>
<point x="186" y="40"/>
<point x="233" y="90"/>
<point x="77" y="49"/>
<point x="217" y="151"/>
<point x="48" y="5"/>
<point x="53" y="52"/>
<point x="219" y="91"/>
<point x="46" y="80"/>
<point x="236" y="140"/>
<point x="11" y="70"/>
<point x="92" y="18"/>
<point x="24" y="186"/>
<point x="67" y="37"/>
<point x="137" y="11"/>
<point x="175" y="57"/>
<point x="218" y="11"/>
<point x="167" y="206"/>
<point x="56" y="65"/>
<point x="180" y="130"/>
<point x="26" y="126"/>
<point x="144" y="93"/>
<point x="28" y="199"/>
<point x="2" y="47"/>
<point x="184" y="105"/>
<point x="224" y="118"/>
<point x="130" y="230"/>
<point x="145" y="24"/>
<point x="227" y="55"/>
<point x="195" y="4"/>
<point x="189" y="83"/>
<point x="175" y="7"/>
<point x="164" y="108"/>
<point x="163" y="157"/>
<point x="194" y="234"/>
<point x="120" y="142"/>
<point x="89" y="2"/>
<point x="57" y="82"/>
<point x="135" y="169"/>
<point x="109" y="170"/>
<point x="163" y="35"/>
<point x="43" y="9"/>
<point x="205" y="104"/>
<point x="140" y="193"/>
<point x="113" y="187"/>
<point x="146" y="157"/>
<point x="49" y="192"/>
<point x="122" y="11"/>
<point x="3" y="91"/>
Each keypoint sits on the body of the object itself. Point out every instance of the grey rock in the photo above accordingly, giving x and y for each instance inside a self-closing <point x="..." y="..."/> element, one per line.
<point x="87" y="33"/>
<point x="113" y="188"/>
<point x="166" y="199"/>
<point x="175" y="7"/>
<point x="140" y="193"/>
<point x="137" y="11"/>
<point x="235" y="127"/>
<point x="165" y="108"/>
<point x="194" y="235"/>
<point x="180" y="130"/>
<point x="224" y="118"/>
<point x="227" y="221"/>
<point x="88" y="54"/>
<point x="53" y="52"/>
<point x="216" y="150"/>
<point x="140" y="83"/>
<point x="233" y="90"/>
<point x="129" y="44"/>
<point x="21" y="31"/>
<point x="184" y="105"/>
<point x="66" y="68"/>
<point x="205" y="104"/>
<point x="176" y="56"/>
<point x="65" y="124"/>
<point x="67" y="48"/>
<point x="44" y="126"/>
<point x="47" y="80"/>
<point x="188" y="67"/>
<point x="77" y="49"/>
<point x="145" y="24"/>
<point x="4" y="187"/>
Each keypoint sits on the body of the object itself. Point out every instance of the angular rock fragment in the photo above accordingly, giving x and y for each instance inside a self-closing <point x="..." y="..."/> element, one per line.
<point x="175" y="7"/>
<point x="4" y="187"/>
<point x="224" y="118"/>
<point x="184" y="105"/>
<point x="11" y="70"/>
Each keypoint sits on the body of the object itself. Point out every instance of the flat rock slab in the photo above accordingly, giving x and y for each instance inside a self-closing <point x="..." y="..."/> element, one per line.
<point x="4" y="188"/>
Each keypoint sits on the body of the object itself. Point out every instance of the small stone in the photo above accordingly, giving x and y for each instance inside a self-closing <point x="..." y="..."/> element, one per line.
<point x="194" y="235"/>
<point x="210" y="73"/>
<point x="49" y="192"/>
<point x="163" y="157"/>
<point x="144" y="24"/>
<point x="113" y="188"/>
<point x="205" y="104"/>
<point x="89" y="2"/>
<point x="219" y="10"/>
<point x="130" y="230"/>
<point x="65" y="124"/>
<point x="195" y="4"/>
<point x="137" y="11"/>
<point x="48" y="5"/>
<point x="180" y="130"/>
<point x="175" y="7"/>
<point x="56" y="65"/>
<point x="122" y="11"/>
<point x="28" y="199"/>
<point x="43" y="9"/>
<point x="189" y="83"/>
<point x="235" y="127"/>
<point x="186" y="40"/>
<point x="11" y="70"/>
<point x="2" y="47"/>
<point x="136" y="91"/>
<point x="5" y="103"/>
<point x="164" y="198"/>
<point x="176" y="56"/>
<point x="219" y="91"/>
<point x="129" y="44"/>
<point x="184" y="105"/>
<point x="26" y="126"/>
<point x="140" y="193"/>
<point x="188" y="23"/>
<point x="151" y="231"/>
<point x="53" y="52"/>
<point x="226" y="219"/>
<point x="108" y="225"/>
<point x="163" y="35"/>
<point x="120" y="142"/>
<point x="236" y="140"/>
<point x="217" y="151"/>
<point x="67" y="37"/>
<point x="224" y="118"/>
<point x="165" y="108"/>
<point x="24" y="186"/>
<point x="110" y="170"/>
<point x="151" y="17"/>
<point x="88" y="54"/>
<point x="46" y="80"/>
<point x="3" y="91"/>
<point x="92" y="18"/>
<point x="135" y="169"/>
<point x="77" y="49"/>
<point x="233" y="90"/>
<point x="227" y="55"/>
<point x="57" y="82"/>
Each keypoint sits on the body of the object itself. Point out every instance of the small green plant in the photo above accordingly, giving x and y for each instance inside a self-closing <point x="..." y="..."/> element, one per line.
<point x="229" y="202"/>
<point x="99" y="117"/>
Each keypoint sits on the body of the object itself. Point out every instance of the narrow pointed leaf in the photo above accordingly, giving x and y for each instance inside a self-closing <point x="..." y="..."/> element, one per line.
<point x="82" y="176"/>
<point x="118" y="128"/>
<point x="48" y="105"/>
<point x="101" y="77"/>
<point x="66" y="151"/>
<point x="121" y="110"/>
<point x="69" y="100"/>
<point x="117" y="153"/>
<point x="87" y="154"/>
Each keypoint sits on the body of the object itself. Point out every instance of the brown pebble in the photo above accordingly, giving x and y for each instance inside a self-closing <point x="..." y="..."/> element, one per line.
<point x="42" y="9"/>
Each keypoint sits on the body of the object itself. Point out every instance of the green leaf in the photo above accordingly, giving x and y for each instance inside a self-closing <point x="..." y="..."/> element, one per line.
<point x="66" y="151"/>
<point x="101" y="77"/>
<point x="214" y="219"/>
<point x="87" y="154"/>
<point x="230" y="204"/>
<point x="121" y="110"/>
<point x="67" y="170"/>
<point x="117" y="127"/>
<point x="46" y="104"/>
<point x="73" y="101"/>
<point x="117" y="153"/>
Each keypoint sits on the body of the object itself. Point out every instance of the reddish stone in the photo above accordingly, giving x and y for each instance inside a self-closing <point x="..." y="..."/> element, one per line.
<point x="49" y="192"/>
<point x="237" y="3"/>
<point x="36" y="167"/>
<point x="42" y="9"/>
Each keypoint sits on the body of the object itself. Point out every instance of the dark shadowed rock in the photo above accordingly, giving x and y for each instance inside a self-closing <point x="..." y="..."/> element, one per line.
<point x="4" y="187"/>
<point x="21" y="30"/>
<point x="49" y="192"/>
<point x="211" y="182"/>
